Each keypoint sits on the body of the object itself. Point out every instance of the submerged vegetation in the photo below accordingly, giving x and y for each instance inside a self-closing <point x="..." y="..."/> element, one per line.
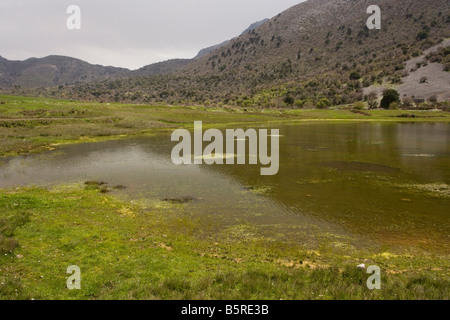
<point x="142" y="251"/>
<point x="36" y="124"/>
<point x="154" y="248"/>
<point x="294" y="68"/>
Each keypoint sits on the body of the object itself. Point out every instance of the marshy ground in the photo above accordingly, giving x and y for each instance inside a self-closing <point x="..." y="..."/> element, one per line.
<point x="157" y="248"/>
<point x="34" y="124"/>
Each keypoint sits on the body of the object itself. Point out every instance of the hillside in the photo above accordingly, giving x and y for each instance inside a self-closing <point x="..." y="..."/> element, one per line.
<point x="208" y="50"/>
<point x="164" y="67"/>
<point x="425" y="77"/>
<point x="51" y="71"/>
<point x="323" y="48"/>
<point x="175" y="65"/>
<point x="59" y="70"/>
<point x="317" y="53"/>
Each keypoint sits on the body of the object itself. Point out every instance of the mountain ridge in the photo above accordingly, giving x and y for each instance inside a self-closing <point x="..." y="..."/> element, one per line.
<point x="319" y="52"/>
<point x="210" y="49"/>
<point x="52" y="70"/>
<point x="38" y="72"/>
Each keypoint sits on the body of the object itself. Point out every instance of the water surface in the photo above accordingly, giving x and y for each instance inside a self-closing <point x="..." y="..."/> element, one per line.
<point x="359" y="183"/>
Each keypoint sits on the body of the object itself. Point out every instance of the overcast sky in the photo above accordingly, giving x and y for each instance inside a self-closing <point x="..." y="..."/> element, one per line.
<point x="130" y="33"/>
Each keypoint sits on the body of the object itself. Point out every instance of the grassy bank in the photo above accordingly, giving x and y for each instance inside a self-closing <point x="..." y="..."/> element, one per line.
<point x="156" y="249"/>
<point x="36" y="124"/>
<point x="135" y="251"/>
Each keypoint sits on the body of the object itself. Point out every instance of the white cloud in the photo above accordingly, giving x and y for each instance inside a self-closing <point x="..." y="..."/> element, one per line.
<point x="130" y="33"/>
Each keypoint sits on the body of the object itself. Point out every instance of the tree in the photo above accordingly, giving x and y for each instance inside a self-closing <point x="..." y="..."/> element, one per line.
<point x="422" y="35"/>
<point x="393" y="106"/>
<point x="299" y="103"/>
<point x="389" y="96"/>
<point x="355" y="75"/>
<point x="323" y="103"/>
<point x="359" y="105"/>
<point x="289" y="100"/>
<point x="373" y="104"/>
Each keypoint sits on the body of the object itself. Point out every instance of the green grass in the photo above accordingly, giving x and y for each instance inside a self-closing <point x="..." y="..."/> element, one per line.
<point x="152" y="249"/>
<point x="36" y="124"/>
<point x="133" y="251"/>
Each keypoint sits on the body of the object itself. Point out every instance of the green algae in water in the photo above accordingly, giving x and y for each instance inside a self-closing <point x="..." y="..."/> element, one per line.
<point x="334" y="176"/>
<point x="441" y="190"/>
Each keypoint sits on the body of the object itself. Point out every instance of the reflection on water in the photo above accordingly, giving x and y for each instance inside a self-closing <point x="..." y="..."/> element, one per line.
<point x="374" y="181"/>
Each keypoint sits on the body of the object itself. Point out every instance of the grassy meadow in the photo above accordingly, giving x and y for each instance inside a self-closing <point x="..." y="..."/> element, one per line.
<point x="152" y="249"/>
<point x="34" y="124"/>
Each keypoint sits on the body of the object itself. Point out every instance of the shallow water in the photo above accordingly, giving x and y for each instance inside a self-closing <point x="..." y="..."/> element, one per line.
<point x="358" y="183"/>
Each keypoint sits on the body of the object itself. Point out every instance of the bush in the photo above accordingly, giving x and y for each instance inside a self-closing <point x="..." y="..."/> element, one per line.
<point x="389" y="96"/>
<point x="408" y="102"/>
<point x="247" y="103"/>
<point x="289" y="100"/>
<point x="320" y="105"/>
<point x="372" y="96"/>
<point x="308" y="104"/>
<point x="422" y="35"/>
<point x="355" y="75"/>
<point x="433" y="99"/>
<point x="393" y="106"/>
<point x="299" y="103"/>
<point x="323" y="103"/>
<point x="359" y="105"/>
<point x="373" y="104"/>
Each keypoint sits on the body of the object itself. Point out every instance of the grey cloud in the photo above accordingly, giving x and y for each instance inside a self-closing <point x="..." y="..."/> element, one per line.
<point x="128" y="34"/>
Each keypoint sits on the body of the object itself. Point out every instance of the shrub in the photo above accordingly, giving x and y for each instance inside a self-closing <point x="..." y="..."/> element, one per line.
<point x="354" y="75"/>
<point x="320" y="105"/>
<point x="422" y="35"/>
<point x="299" y="103"/>
<point x="247" y="103"/>
<point x="389" y="96"/>
<point x="308" y="104"/>
<point x="433" y="99"/>
<point x="393" y="106"/>
<point x="423" y="80"/>
<point x="372" y="96"/>
<point x="359" y="105"/>
<point x="289" y="100"/>
<point x="323" y="103"/>
<point x="373" y="104"/>
<point x="408" y="102"/>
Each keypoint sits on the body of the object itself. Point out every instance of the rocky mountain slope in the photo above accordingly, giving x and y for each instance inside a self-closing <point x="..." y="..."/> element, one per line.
<point x="52" y="71"/>
<point x="208" y="50"/>
<point x="323" y="48"/>
<point x="174" y="65"/>
<point x="59" y="70"/>
<point x="317" y="53"/>
<point x="425" y="77"/>
<point x="164" y="67"/>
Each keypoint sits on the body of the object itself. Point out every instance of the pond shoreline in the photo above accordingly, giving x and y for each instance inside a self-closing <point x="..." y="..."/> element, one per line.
<point x="126" y="251"/>
<point x="157" y="246"/>
<point x="51" y="123"/>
